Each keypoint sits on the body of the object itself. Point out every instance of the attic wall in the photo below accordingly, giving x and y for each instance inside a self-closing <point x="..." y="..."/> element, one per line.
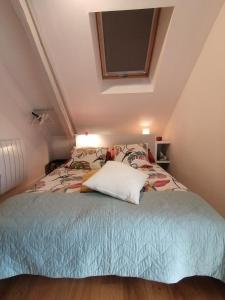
<point x="60" y="147"/>
<point x="21" y="89"/>
<point x="197" y="126"/>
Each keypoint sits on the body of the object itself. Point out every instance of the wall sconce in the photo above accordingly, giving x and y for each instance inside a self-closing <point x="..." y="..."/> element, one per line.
<point x="88" y="140"/>
<point x="145" y="131"/>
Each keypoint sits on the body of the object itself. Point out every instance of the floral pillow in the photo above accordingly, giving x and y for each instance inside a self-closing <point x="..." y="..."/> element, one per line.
<point x="87" y="158"/>
<point x="135" y="155"/>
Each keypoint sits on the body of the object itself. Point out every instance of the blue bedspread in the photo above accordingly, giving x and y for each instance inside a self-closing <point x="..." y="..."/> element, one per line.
<point x="169" y="236"/>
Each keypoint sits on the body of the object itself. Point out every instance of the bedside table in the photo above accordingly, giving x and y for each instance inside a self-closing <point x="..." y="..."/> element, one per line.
<point x="54" y="164"/>
<point x="162" y="153"/>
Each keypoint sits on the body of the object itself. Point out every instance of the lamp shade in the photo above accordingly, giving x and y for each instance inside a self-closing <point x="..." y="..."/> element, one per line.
<point x="145" y="131"/>
<point x="88" y="140"/>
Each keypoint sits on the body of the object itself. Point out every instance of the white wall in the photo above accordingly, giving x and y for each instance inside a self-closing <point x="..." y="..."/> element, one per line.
<point x="21" y="90"/>
<point x="60" y="147"/>
<point x="197" y="126"/>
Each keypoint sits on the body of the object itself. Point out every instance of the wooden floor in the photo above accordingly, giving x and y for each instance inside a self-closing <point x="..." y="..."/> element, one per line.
<point x="109" y="288"/>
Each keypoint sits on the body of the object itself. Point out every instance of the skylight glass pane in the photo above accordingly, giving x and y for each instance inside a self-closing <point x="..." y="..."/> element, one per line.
<point x="126" y="39"/>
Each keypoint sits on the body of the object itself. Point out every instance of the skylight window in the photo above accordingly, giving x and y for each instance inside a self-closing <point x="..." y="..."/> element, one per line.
<point x="126" y="42"/>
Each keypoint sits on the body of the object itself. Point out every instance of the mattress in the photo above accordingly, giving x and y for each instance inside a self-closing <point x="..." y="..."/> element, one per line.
<point x="69" y="180"/>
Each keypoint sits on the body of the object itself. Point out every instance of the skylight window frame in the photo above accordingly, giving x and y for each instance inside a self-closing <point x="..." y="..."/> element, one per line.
<point x="127" y="74"/>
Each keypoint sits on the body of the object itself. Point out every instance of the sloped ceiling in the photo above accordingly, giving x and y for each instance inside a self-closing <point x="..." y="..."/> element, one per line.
<point x="69" y="36"/>
<point x="21" y="76"/>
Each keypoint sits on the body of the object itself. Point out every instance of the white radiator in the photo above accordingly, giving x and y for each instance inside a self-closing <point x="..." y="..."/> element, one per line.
<point x="11" y="164"/>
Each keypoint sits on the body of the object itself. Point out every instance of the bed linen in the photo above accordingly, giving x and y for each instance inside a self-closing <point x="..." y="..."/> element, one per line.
<point x="167" y="237"/>
<point x="70" y="180"/>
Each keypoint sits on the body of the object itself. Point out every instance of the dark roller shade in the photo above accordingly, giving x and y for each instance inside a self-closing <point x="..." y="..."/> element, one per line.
<point x="126" y="39"/>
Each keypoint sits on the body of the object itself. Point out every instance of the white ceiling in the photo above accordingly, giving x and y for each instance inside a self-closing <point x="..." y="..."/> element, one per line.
<point x="69" y="36"/>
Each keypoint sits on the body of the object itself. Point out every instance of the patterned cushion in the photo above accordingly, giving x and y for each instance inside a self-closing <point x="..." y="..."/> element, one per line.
<point x="135" y="155"/>
<point x="87" y="158"/>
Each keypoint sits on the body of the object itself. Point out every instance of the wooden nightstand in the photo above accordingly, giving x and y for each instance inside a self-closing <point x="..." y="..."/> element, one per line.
<point x="162" y="153"/>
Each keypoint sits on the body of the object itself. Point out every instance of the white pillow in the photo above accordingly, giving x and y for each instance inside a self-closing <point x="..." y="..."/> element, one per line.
<point x="118" y="180"/>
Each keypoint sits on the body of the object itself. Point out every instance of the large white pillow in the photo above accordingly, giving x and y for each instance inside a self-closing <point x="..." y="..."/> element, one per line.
<point x="118" y="180"/>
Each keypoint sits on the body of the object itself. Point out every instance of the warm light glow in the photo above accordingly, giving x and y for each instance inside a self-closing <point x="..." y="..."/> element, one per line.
<point x="88" y="140"/>
<point x="145" y="124"/>
<point x="145" y="131"/>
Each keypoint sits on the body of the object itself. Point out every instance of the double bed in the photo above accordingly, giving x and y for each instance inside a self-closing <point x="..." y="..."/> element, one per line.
<point x="54" y="230"/>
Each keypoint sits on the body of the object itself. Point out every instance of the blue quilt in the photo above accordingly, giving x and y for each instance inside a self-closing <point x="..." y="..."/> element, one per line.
<point x="169" y="236"/>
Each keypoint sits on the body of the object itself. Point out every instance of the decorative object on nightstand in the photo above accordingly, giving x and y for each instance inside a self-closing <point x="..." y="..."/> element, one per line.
<point x="161" y="153"/>
<point x="54" y="164"/>
<point x="158" y="138"/>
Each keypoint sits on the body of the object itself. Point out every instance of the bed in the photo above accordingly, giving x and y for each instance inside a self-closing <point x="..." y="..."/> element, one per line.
<point x="54" y="230"/>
